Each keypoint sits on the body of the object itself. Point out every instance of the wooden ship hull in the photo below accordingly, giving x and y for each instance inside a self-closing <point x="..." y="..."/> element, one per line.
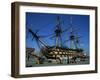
<point x="63" y="53"/>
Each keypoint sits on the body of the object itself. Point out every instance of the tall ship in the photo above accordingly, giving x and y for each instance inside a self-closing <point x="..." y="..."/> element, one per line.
<point x="59" y="53"/>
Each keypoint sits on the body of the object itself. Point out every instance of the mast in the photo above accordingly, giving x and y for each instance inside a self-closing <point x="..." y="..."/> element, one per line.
<point x="73" y="44"/>
<point x="58" y="32"/>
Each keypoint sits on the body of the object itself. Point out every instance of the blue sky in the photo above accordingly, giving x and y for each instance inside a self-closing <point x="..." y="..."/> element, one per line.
<point x="46" y="23"/>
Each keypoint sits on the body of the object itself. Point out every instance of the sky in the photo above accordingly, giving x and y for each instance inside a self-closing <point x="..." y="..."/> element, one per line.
<point x="45" y="24"/>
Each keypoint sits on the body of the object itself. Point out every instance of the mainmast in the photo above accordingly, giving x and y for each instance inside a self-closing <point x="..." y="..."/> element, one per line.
<point x="72" y="37"/>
